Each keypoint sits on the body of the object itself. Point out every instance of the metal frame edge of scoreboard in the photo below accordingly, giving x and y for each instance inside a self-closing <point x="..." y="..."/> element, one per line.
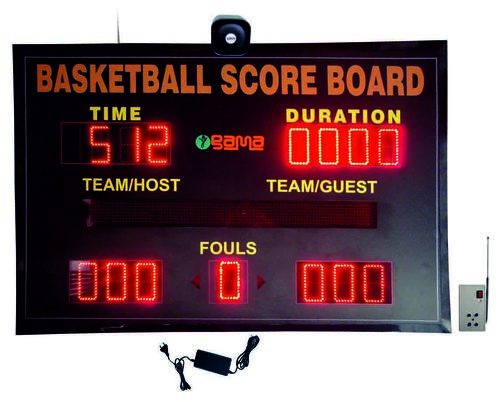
<point x="125" y="126"/>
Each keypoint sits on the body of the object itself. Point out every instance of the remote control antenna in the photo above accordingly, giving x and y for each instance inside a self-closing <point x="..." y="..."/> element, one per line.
<point x="117" y="27"/>
<point x="487" y="274"/>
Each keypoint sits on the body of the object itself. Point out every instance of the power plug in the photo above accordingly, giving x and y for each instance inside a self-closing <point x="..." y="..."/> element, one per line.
<point x="472" y="307"/>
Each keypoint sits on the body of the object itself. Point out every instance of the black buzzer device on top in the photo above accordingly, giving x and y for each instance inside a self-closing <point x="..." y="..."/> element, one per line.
<point x="167" y="188"/>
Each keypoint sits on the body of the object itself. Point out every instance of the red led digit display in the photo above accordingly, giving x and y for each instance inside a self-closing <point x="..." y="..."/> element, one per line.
<point x="115" y="281"/>
<point x="374" y="283"/>
<point x="344" y="282"/>
<point x="138" y="143"/>
<point x="299" y="146"/>
<point x="86" y="281"/>
<point x="228" y="284"/>
<point x="355" y="146"/>
<point x="99" y="148"/>
<point x="313" y="282"/>
<point x="157" y="150"/>
<point x="328" y="147"/>
<point x="229" y="281"/>
<point x="147" y="276"/>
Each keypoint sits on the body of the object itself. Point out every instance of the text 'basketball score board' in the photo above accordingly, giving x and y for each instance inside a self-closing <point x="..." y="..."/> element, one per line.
<point x="164" y="188"/>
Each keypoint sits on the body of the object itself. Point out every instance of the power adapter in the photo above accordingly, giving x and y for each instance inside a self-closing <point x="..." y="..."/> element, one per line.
<point x="211" y="361"/>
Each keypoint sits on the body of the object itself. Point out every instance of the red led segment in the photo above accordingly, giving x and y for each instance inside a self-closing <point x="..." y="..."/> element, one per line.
<point x="86" y="282"/>
<point x="335" y="145"/>
<point x="299" y="146"/>
<point x="158" y="151"/>
<point x="358" y="150"/>
<point x="328" y="147"/>
<point x="115" y="281"/>
<point x="229" y="281"/>
<point x="373" y="283"/>
<point x="344" y="282"/>
<point x="100" y="151"/>
<point x="228" y="284"/>
<point x="389" y="147"/>
<point x="146" y="281"/>
<point x="313" y="283"/>
<point x="116" y="143"/>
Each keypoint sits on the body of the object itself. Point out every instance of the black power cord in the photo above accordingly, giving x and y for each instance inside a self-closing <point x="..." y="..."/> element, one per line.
<point x="243" y="360"/>
<point x="179" y="366"/>
<point x="211" y="361"/>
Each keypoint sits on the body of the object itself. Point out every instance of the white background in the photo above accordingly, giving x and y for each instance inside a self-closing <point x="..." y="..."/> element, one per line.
<point x="289" y="366"/>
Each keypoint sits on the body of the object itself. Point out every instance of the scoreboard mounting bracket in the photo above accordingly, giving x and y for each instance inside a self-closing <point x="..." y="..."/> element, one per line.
<point x="296" y="187"/>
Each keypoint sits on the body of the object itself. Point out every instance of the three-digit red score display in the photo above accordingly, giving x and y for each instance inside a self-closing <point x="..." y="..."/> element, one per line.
<point x="344" y="146"/>
<point x="115" y="281"/>
<point x="344" y="282"/>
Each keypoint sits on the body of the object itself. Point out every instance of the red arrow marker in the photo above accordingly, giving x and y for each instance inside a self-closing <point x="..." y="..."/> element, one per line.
<point x="260" y="282"/>
<point x="196" y="281"/>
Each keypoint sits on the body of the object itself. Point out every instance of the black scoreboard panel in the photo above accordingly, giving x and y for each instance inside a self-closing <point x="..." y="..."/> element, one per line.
<point x="164" y="188"/>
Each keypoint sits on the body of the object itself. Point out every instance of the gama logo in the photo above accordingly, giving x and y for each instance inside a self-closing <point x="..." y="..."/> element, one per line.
<point x="230" y="142"/>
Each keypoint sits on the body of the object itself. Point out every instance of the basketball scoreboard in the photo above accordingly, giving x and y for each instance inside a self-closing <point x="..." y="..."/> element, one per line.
<point x="298" y="187"/>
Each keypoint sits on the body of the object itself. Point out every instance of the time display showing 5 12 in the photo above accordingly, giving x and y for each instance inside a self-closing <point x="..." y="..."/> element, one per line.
<point x="116" y="143"/>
